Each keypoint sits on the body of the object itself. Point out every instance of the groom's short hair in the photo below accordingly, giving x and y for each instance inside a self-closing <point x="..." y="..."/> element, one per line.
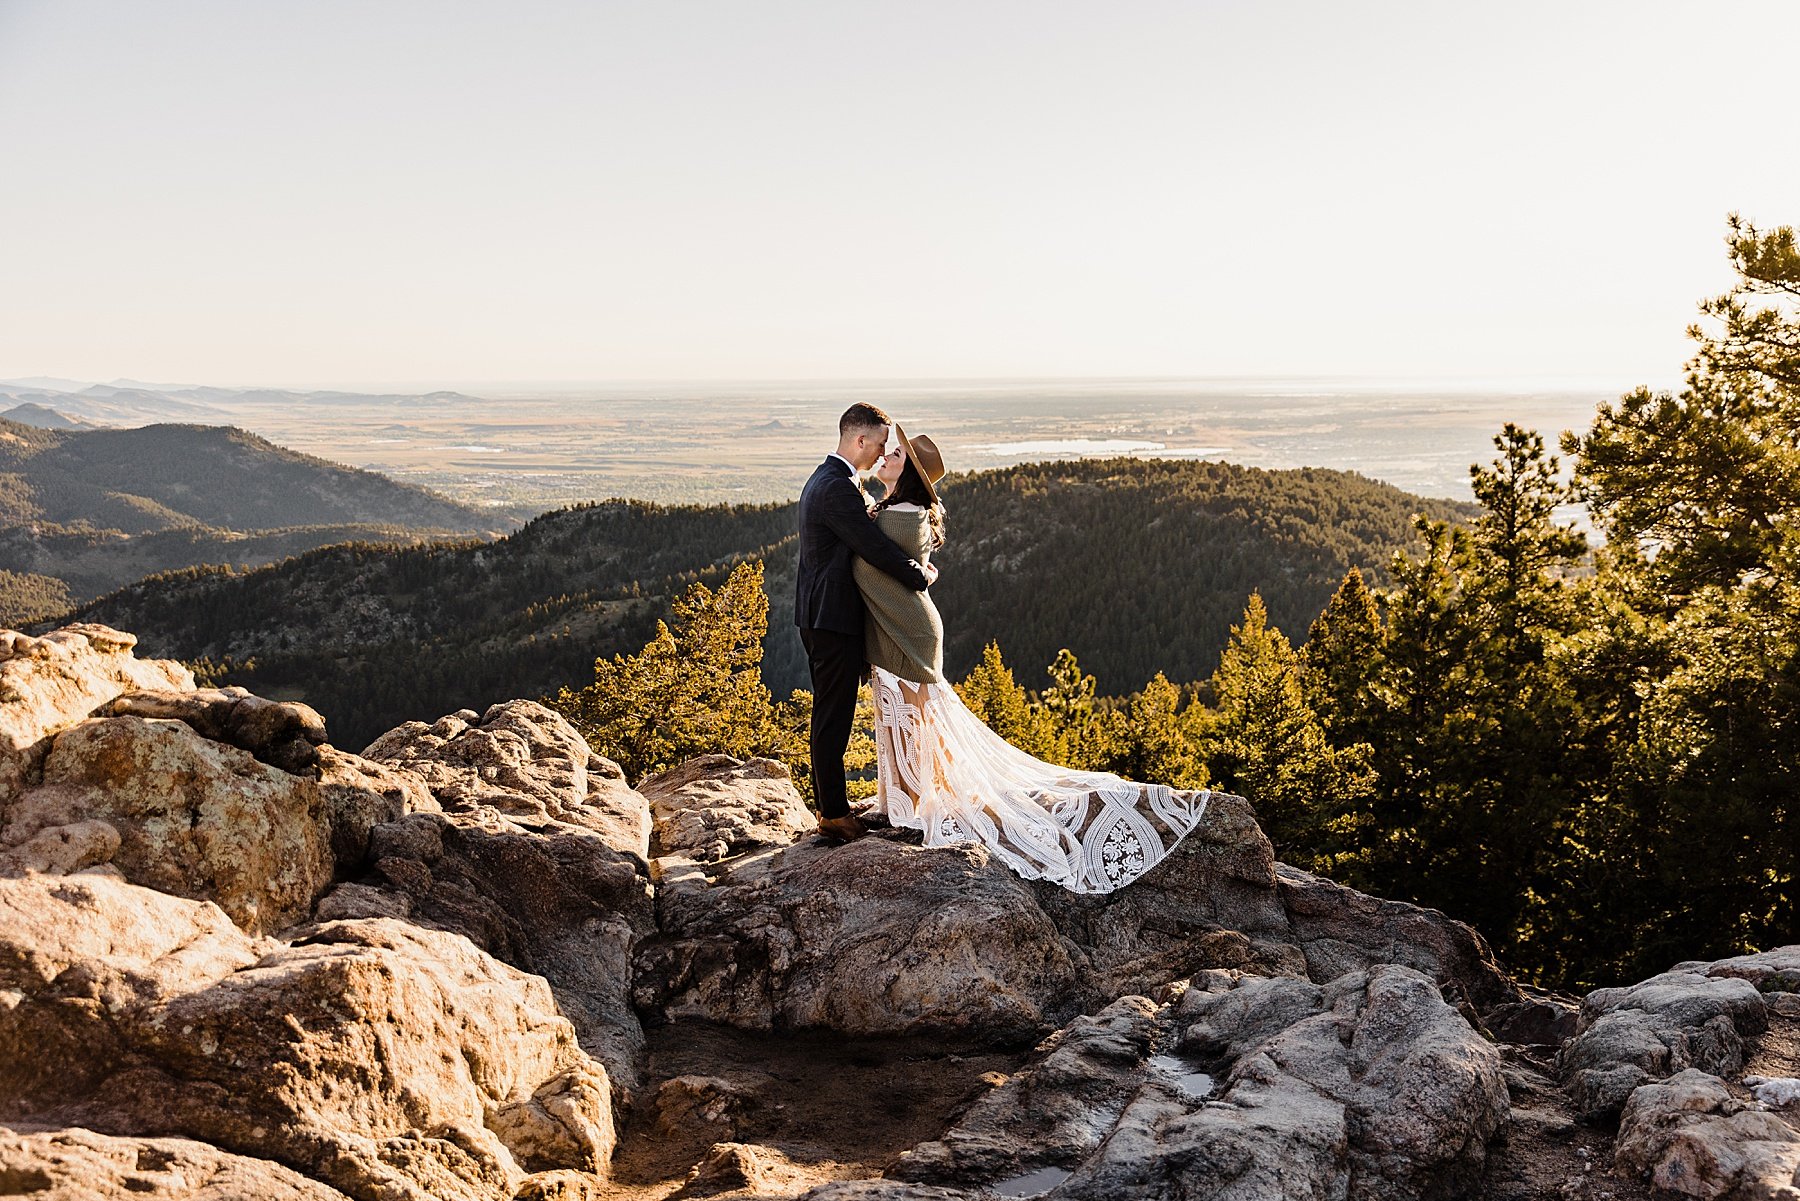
<point x="861" y="416"/>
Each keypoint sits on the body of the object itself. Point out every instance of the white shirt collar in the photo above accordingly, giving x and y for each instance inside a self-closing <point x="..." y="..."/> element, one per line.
<point x="846" y="462"/>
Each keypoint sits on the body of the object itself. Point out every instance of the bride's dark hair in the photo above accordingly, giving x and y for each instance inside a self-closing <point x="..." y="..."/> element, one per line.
<point x="910" y="489"/>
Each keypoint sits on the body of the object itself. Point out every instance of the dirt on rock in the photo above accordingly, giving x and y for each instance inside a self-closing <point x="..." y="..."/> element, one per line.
<point x="1542" y="1153"/>
<point x="827" y="1107"/>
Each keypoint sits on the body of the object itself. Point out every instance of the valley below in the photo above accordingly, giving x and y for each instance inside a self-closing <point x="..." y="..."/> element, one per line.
<point x="527" y="449"/>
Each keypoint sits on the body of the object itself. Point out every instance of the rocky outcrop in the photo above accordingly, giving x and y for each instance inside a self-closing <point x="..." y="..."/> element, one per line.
<point x="155" y="1036"/>
<point x="377" y="1057"/>
<point x="1371" y="1086"/>
<point x="525" y="763"/>
<point x="714" y="806"/>
<point x="209" y="794"/>
<point x="538" y="857"/>
<point x="875" y="937"/>
<point x="558" y="902"/>
<point x="1689" y="1135"/>
<point x="1685" y="1018"/>
<point x="97" y="1167"/>
<point x="75" y="952"/>
<point x="49" y="683"/>
<point x="883" y="936"/>
<point x="235" y="960"/>
<point x="1668" y="1057"/>
<point x="194" y="817"/>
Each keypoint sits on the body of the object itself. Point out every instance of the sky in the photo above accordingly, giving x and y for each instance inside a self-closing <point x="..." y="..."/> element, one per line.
<point x="444" y="192"/>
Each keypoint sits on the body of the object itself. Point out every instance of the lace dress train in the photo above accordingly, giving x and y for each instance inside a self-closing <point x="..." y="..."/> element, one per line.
<point x="941" y="770"/>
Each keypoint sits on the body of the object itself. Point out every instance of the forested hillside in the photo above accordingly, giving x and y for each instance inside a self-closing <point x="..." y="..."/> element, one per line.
<point x="162" y="476"/>
<point x="1140" y="566"/>
<point x="375" y="634"/>
<point x="84" y="511"/>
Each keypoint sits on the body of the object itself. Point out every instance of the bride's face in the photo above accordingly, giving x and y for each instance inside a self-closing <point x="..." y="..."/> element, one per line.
<point x="892" y="464"/>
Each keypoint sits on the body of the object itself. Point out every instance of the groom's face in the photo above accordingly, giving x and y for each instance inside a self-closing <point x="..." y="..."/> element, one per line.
<point x="868" y="447"/>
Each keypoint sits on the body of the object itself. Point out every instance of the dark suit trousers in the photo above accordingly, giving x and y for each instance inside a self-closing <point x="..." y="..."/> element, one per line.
<point x="836" y="661"/>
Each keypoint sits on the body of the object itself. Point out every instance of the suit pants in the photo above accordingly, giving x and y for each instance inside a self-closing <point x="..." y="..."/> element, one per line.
<point x="836" y="662"/>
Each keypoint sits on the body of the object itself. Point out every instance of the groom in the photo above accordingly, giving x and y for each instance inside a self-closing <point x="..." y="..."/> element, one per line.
<point x="835" y="527"/>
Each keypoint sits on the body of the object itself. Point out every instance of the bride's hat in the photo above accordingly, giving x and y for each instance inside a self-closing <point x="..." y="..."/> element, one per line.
<point x="923" y="453"/>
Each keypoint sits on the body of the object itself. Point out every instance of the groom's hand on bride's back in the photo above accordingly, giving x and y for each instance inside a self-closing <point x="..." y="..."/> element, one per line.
<point x="842" y="510"/>
<point x="931" y="573"/>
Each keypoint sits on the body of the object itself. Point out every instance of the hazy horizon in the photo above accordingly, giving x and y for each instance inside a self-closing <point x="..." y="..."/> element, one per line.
<point x="538" y="447"/>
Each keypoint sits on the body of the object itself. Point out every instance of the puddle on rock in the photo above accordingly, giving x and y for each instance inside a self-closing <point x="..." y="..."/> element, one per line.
<point x="1031" y="1184"/>
<point x="1188" y="1078"/>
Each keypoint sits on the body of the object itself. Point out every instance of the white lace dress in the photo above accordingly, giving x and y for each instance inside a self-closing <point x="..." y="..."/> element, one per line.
<point x="941" y="770"/>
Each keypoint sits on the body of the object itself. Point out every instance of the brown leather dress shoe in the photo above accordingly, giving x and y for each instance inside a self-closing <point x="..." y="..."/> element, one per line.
<point x="842" y="829"/>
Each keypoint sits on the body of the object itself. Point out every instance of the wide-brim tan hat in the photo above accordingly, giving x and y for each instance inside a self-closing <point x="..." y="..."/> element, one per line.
<point x="923" y="453"/>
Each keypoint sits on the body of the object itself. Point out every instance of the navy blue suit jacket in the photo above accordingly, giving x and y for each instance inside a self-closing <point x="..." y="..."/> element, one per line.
<point x="834" y="529"/>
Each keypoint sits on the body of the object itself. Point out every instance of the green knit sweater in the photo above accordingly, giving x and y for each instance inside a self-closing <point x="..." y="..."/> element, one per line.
<point x="904" y="633"/>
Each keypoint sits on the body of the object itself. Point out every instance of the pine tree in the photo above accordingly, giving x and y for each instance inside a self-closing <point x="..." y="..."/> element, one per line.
<point x="696" y="687"/>
<point x="1152" y="738"/>
<point x="993" y="695"/>
<point x="1342" y="659"/>
<point x="1266" y="741"/>
<point x="1067" y="711"/>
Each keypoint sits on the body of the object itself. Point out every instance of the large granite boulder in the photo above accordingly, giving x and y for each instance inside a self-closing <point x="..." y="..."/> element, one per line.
<point x="206" y="793"/>
<point x="537" y="857"/>
<point x="525" y="762"/>
<point x="1631" y="1036"/>
<point x="378" y="1057"/>
<point x="188" y="816"/>
<point x="80" y="1165"/>
<point x="1384" y="1091"/>
<point x="875" y="937"/>
<point x="1691" y="1136"/>
<point x="75" y="951"/>
<point x="1368" y="1087"/>
<point x="50" y="683"/>
<point x="714" y="806"/>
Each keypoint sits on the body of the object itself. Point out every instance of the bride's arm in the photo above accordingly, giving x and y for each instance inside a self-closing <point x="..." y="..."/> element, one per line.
<point x="843" y="512"/>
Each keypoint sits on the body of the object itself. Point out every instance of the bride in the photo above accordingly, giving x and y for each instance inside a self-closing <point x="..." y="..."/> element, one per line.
<point x="940" y="769"/>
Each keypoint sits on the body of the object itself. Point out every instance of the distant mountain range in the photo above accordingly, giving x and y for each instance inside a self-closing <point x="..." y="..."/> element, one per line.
<point x="43" y="417"/>
<point x="130" y="402"/>
<point x="1138" y="566"/>
<point x="96" y="508"/>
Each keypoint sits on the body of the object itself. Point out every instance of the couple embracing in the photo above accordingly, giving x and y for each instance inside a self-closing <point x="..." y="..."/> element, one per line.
<point x="864" y="608"/>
